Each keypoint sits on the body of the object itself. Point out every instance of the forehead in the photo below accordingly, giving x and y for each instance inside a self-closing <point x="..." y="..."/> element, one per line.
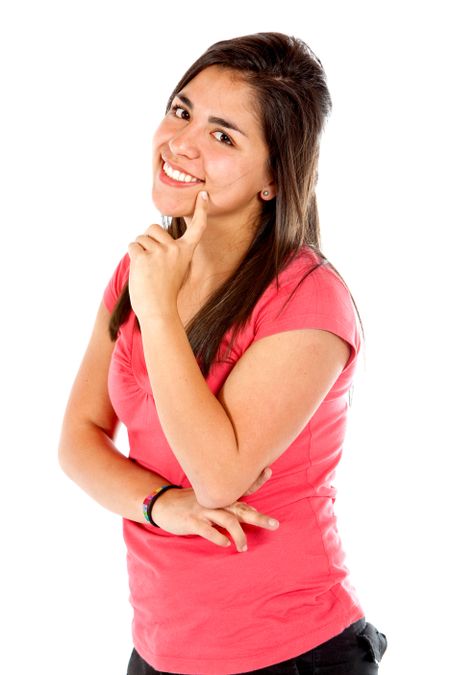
<point x="224" y="93"/>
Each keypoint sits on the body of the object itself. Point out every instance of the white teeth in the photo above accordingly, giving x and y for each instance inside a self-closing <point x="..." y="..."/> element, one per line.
<point x="178" y="175"/>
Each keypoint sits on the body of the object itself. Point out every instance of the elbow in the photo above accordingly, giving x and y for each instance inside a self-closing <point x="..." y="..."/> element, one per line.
<point x="217" y="498"/>
<point x="68" y="442"/>
<point x="220" y="503"/>
<point x="65" y="445"/>
<point x="220" y="489"/>
<point x="204" y="499"/>
<point x="211" y="503"/>
<point x="63" y="457"/>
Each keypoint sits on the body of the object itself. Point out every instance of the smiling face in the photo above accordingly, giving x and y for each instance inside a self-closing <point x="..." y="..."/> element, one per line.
<point x="195" y="137"/>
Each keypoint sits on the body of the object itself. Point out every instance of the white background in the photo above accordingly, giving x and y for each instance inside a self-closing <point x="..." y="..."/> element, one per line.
<point x="84" y="85"/>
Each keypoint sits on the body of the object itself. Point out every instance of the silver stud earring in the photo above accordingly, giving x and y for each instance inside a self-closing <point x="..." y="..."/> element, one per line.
<point x="266" y="193"/>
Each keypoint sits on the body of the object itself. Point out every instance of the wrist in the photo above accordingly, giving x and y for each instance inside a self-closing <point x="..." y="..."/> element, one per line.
<point x="149" y="501"/>
<point x="151" y="318"/>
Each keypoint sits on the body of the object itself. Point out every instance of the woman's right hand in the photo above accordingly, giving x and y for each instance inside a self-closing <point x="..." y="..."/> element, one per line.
<point x="178" y="511"/>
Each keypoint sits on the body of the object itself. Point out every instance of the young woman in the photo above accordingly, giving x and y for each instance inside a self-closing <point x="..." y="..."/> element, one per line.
<point x="227" y="343"/>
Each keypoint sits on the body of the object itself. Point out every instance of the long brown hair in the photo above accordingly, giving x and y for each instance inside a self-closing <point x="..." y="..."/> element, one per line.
<point x="289" y="85"/>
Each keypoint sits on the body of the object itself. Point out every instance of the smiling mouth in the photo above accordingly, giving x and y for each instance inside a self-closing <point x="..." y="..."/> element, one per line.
<point x="179" y="176"/>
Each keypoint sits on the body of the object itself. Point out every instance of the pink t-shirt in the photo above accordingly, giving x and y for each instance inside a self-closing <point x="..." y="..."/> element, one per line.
<point x="203" y="609"/>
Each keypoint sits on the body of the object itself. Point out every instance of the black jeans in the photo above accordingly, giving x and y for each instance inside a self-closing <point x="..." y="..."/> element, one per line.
<point x="355" y="651"/>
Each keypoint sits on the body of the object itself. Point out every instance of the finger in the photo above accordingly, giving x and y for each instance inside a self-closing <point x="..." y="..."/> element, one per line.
<point x="248" y="514"/>
<point x="207" y="531"/>
<point x="158" y="233"/>
<point x="134" y="249"/>
<point x="199" y="220"/>
<point x="146" y="242"/>
<point x="229" y="522"/>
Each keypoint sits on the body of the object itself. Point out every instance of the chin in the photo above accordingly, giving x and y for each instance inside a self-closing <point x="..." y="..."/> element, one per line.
<point x="172" y="206"/>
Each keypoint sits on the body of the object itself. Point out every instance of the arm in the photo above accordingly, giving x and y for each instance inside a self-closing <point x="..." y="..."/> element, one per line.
<point x="272" y="392"/>
<point x="193" y="420"/>
<point x="88" y="456"/>
<point x="268" y="398"/>
<point x="86" y="452"/>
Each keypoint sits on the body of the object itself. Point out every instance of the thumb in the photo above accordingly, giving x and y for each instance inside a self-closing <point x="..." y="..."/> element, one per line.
<point x="199" y="220"/>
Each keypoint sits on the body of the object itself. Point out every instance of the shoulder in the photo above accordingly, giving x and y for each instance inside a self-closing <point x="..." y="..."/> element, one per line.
<point x="311" y="277"/>
<point x="309" y="294"/>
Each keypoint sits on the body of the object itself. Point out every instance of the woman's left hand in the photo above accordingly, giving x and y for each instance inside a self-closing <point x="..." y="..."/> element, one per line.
<point x="160" y="264"/>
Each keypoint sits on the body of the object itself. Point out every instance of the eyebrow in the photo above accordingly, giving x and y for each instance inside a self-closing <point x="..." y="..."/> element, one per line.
<point x="211" y="120"/>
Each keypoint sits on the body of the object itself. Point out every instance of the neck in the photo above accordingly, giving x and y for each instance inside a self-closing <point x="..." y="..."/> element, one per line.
<point x="218" y="252"/>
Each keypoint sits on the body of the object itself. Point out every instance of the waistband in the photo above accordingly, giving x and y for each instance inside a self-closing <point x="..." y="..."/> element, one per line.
<point x="355" y="627"/>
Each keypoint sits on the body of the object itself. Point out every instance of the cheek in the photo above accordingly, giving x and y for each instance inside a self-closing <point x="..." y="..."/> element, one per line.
<point x="226" y="173"/>
<point x="158" y="132"/>
<point x="162" y="133"/>
<point x="234" y="186"/>
<point x="157" y="142"/>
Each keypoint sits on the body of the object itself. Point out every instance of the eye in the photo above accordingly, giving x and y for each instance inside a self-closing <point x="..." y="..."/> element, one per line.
<point x="174" y="110"/>
<point x="228" y="141"/>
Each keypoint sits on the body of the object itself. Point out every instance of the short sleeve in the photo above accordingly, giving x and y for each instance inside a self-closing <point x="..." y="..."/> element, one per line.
<point x="116" y="283"/>
<point x="320" y="300"/>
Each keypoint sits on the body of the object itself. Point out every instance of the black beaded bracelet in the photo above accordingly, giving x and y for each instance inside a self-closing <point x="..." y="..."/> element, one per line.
<point x="149" y="501"/>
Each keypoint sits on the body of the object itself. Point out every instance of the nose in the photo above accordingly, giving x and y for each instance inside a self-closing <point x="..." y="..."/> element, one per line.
<point x="184" y="143"/>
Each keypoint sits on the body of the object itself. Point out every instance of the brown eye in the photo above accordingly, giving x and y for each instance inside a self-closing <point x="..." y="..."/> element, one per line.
<point x="174" y="109"/>
<point x="228" y="140"/>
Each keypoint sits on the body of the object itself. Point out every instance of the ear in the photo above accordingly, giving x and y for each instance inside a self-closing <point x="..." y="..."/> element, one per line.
<point x="271" y="188"/>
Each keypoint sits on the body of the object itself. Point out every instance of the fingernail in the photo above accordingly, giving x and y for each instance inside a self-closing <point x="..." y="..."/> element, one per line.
<point x="273" y="523"/>
<point x="268" y="473"/>
<point x="204" y="195"/>
<point x="244" y="548"/>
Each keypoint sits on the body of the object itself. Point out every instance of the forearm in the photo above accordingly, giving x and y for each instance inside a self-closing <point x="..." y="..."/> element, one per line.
<point x="197" y="427"/>
<point x="89" y="457"/>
